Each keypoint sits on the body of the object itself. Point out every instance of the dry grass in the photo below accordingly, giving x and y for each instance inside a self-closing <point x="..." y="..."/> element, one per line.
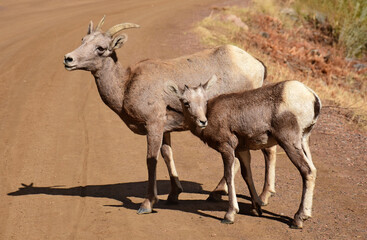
<point x="292" y="49"/>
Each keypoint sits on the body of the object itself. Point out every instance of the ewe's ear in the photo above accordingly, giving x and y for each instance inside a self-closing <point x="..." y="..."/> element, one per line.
<point x="118" y="41"/>
<point x="210" y="82"/>
<point x="90" y="27"/>
<point x="172" y="89"/>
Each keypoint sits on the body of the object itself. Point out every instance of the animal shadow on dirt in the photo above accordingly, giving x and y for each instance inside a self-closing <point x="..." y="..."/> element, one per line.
<point x="123" y="191"/>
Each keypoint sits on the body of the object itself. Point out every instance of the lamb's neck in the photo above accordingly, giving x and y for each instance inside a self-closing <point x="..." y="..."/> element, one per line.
<point x="197" y="131"/>
<point x="110" y="80"/>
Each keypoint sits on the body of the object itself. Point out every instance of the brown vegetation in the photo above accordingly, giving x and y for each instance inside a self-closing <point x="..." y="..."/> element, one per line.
<point x="295" y="48"/>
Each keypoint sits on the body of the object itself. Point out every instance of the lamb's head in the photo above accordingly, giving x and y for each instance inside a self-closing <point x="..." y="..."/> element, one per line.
<point x="194" y="101"/>
<point x="96" y="46"/>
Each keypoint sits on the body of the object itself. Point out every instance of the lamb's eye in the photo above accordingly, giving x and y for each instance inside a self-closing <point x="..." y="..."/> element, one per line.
<point x="100" y="49"/>
<point x="187" y="104"/>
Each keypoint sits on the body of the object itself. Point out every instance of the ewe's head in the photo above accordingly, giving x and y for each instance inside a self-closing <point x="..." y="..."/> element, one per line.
<point x="194" y="100"/>
<point x="96" y="46"/>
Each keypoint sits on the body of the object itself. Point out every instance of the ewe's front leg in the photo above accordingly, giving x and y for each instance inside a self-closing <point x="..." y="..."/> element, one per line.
<point x="222" y="188"/>
<point x="245" y="161"/>
<point x="167" y="155"/>
<point x="269" y="183"/>
<point x="154" y="141"/>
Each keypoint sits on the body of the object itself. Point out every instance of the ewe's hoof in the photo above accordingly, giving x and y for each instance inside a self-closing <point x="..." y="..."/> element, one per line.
<point x="172" y="200"/>
<point x="144" y="211"/>
<point x="257" y="212"/>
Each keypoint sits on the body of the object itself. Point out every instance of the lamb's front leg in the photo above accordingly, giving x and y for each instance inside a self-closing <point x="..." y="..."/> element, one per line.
<point x="228" y="160"/>
<point x="154" y="140"/>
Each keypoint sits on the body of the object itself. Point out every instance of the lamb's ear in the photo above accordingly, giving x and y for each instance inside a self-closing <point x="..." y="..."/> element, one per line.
<point x="118" y="41"/>
<point x="172" y="89"/>
<point x="210" y="82"/>
<point x="90" y="27"/>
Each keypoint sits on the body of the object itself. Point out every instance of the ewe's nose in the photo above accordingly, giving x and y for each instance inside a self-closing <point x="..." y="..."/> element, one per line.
<point x="68" y="59"/>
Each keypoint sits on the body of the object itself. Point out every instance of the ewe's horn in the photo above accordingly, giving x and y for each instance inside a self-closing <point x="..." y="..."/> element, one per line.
<point x="119" y="27"/>
<point x="100" y="23"/>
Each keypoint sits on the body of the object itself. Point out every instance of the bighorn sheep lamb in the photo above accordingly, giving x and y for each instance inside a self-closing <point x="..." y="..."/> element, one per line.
<point x="282" y="113"/>
<point x="136" y="93"/>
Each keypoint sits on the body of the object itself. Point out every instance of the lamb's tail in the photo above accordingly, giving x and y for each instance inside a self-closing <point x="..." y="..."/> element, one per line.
<point x="317" y="109"/>
<point x="317" y="105"/>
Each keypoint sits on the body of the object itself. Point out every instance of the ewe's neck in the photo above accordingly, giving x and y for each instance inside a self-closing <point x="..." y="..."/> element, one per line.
<point x="110" y="79"/>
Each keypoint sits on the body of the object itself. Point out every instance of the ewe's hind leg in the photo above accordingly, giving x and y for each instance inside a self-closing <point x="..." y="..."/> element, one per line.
<point x="222" y="188"/>
<point x="269" y="183"/>
<point x="245" y="161"/>
<point x="167" y="155"/>
<point x="296" y="152"/>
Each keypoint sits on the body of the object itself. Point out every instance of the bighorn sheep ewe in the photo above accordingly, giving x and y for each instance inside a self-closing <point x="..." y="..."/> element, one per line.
<point x="136" y="93"/>
<point x="283" y="113"/>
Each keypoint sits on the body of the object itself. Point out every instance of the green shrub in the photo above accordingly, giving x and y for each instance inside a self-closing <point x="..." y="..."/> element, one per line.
<point x="348" y="18"/>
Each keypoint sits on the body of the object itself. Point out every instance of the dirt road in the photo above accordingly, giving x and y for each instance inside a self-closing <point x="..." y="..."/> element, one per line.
<point x="88" y="170"/>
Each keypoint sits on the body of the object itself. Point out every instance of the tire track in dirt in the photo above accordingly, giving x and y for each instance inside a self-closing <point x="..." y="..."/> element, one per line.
<point x="84" y="171"/>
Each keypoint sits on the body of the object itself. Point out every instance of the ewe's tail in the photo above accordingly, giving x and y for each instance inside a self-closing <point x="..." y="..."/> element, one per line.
<point x="265" y="71"/>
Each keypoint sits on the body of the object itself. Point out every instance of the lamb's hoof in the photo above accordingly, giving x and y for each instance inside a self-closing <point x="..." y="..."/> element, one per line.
<point x="297" y="223"/>
<point x="172" y="200"/>
<point x="265" y="198"/>
<point x="144" y="211"/>
<point x="298" y="220"/>
<point x="226" y="221"/>
<point x="214" y="197"/>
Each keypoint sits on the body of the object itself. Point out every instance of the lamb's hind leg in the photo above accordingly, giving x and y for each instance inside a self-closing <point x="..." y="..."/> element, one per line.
<point x="222" y="188"/>
<point x="245" y="161"/>
<point x="269" y="183"/>
<point x="297" y="153"/>
<point x="167" y="155"/>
